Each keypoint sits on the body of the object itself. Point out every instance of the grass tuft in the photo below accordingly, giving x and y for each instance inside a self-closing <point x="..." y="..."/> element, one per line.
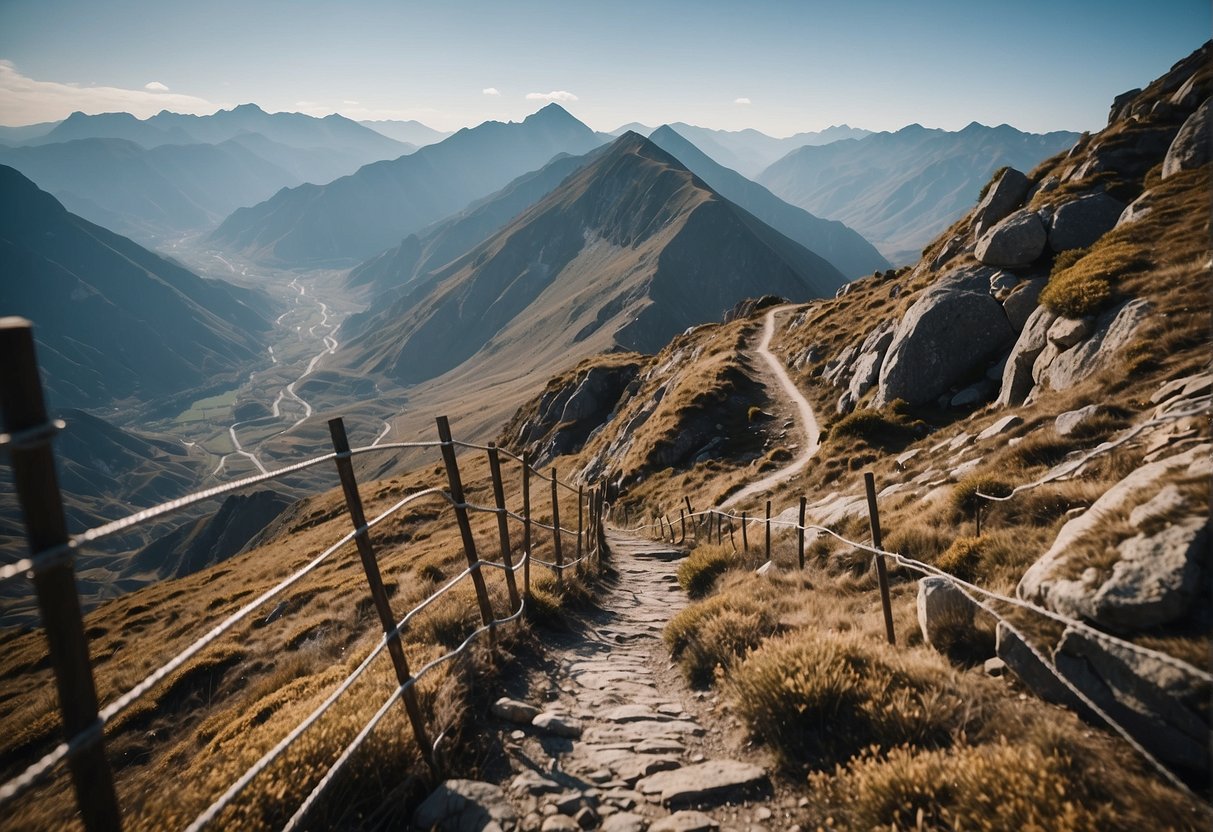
<point x="1083" y="287"/>
<point x="698" y="573"/>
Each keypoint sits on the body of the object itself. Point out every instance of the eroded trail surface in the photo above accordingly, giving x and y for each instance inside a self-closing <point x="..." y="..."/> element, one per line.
<point x="609" y="736"/>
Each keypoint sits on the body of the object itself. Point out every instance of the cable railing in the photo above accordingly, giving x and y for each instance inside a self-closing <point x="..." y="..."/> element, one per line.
<point x="662" y="526"/>
<point x="50" y="566"/>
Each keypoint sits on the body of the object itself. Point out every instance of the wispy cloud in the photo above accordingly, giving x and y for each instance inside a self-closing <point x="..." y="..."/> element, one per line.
<point x="24" y="100"/>
<point x="155" y="86"/>
<point x="491" y="91"/>
<point x="745" y="102"/>
<point x="562" y="96"/>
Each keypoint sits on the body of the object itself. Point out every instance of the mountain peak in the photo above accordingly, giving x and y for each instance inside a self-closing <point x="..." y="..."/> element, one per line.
<point x="553" y="113"/>
<point x="248" y="109"/>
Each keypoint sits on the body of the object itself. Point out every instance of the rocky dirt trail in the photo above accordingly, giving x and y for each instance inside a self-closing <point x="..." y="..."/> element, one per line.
<point x="613" y="738"/>
<point x="784" y="391"/>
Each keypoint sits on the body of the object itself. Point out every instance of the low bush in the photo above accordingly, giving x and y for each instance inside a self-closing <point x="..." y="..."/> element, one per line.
<point x="964" y="495"/>
<point x="698" y="573"/>
<point x="960" y="559"/>
<point x="718" y="631"/>
<point x="819" y="698"/>
<point x="1083" y="287"/>
<point x="879" y="428"/>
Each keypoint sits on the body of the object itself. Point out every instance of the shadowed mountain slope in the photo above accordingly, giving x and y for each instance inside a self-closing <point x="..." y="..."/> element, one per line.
<point x="901" y="189"/>
<point x="113" y="320"/>
<point x="850" y="253"/>
<point x="628" y="251"/>
<point x="360" y="215"/>
<point x="411" y="132"/>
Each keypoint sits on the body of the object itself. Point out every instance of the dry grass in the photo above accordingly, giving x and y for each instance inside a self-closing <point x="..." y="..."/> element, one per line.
<point x="698" y="573"/>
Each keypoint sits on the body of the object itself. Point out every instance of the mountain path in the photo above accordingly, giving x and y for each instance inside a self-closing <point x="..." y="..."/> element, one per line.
<point x="806" y="420"/>
<point x="609" y="736"/>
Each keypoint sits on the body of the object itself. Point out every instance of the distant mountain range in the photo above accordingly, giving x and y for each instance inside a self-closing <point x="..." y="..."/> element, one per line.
<point x="361" y="215"/>
<point x="629" y="250"/>
<point x="113" y="320"/>
<point x="901" y="189"/>
<point x="409" y="132"/>
<point x="749" y="152"/>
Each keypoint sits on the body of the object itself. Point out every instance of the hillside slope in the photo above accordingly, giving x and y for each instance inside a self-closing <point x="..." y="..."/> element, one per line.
<point x="99" y="300"/>
<point x="628" y="251"/>
<point x="900" y="189"/>
<point x="360" y="215"/>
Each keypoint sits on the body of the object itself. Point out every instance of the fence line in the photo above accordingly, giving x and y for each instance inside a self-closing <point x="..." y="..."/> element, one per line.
<point x="100" y="810"/>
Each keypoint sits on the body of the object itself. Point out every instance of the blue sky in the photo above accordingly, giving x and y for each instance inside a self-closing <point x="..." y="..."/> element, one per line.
<point x="800" y="65"/>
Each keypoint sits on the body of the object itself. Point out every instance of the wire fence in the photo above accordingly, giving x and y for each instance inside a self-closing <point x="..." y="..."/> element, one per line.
<point x="50" y="566"/>
<point x="714" y="520"/>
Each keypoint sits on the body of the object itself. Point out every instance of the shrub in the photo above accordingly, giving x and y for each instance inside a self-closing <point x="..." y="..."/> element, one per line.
<point x="819" y="698"/>
<point x="699" y="571"/>
<point x="720" y="643"/>
<point x="875" y="427"/>
<point x="1084" y="287"/>
<point x="1066" y="259"/>
<point x="995" y="786"/>
<point x="964" y="495"/>
<point x="961" y="557"/>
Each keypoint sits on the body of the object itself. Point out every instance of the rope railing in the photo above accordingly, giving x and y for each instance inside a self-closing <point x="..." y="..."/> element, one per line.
<point x="28" y="436"/>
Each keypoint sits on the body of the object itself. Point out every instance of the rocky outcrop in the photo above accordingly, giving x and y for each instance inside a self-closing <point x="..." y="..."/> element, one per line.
<point x="1080" y="223"/>
<point x="1005" y="194"/>
<point x="1013" y="243"/>
<point x="570" y="409"/>
<point x="1190" y="149"/>
<point x="1160" y="570"/>
<point x="865" y="370"/>
<point x="1061" y="367"/>
<point x="1022" y="301"/>
<point x="953" y="329"/>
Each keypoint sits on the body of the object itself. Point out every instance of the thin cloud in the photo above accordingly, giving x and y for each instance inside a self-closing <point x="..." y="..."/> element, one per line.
<point x="490" y="91"/>
<point x="745" y="102"/>
<point x="155" y="86"/>
<point x="561" y="96"/>
<point x="24" y="100"/>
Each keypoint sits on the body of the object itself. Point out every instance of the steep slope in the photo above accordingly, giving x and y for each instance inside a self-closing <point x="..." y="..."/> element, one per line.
<point x="113" y="320"/>
<point x="439" y="244"/>
<point x="749" y="152"/>
<point x="844" y="248"/>
<point x="143" y="192"/>
<point x="901" y="189"/>
<point x="360" y="215"/>
<point x="628" y="251"/>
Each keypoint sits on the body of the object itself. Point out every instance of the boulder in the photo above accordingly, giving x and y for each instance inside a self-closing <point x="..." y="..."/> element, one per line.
<point x="954" y="328"/>
<point x="1022" y="301"/>
<point x="1121" y="104"/>
<point x="1002" y="284"/>
<point x="1137" y="209"/>
<point x="1080" y="223"/>
<point x="511" y="710"/>
<point x="1161" y="706"/>
<point x="1004" y="195"/>
<point x="466" y="806"/>
<point x="867" y="366"/>
<point x="1190" y="149"/>
<point x="942" y="608"/>
<point x="1000" y="427"/>
<point x="707" y="783"/>
<point x="1066" y="332"/>
<point x="1031" y="671"/>
<point x="1017" y="376"/>
<point x="1054" y="580"/>
<point x="558" y="724"/>
<point x="1068" y="422"/>
<point x="1112" y="330"/>
<point x="1013" y="243"/>
<point x="978" y="392"/>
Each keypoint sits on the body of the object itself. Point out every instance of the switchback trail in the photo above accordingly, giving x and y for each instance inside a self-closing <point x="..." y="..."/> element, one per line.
<point x="609" y="736"/>
<point x="806" y="421"/>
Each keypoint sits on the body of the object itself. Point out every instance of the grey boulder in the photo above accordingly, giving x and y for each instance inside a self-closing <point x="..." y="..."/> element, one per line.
<point x="1190" y="149"/>
<point x="1014" y="242"/>
<point x="1080" y="223"/>
<point x="1004" y="195"/>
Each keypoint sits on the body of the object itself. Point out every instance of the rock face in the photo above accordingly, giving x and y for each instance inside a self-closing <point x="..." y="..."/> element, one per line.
<point x="1161" y="571"/>
<point x="953" y="329"/>
<point x="1022" y="302"/>
<point x="866" y="368"/>
<point x="466" y="806"/>
<point x="1004" y="195"/>
<point x="941" y="608"/>
<point x="1080" y="223"/>
<point x="1062" y="368"/>
<point x="1190" y="149"/>
<point x="1015" y="242"/>
<point x="567" y="414"/>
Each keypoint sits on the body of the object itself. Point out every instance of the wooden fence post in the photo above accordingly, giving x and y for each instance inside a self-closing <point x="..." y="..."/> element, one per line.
<point x="977" y="517"/>
<point x="682" y="522"/>
<point x="366" y="553"/>
<point x="580" y="525"/>
<point x="800" y="533"/>
<point x="461" y="517"/>
<point x="745" y="535"/>
<point x="768" y="531"/>
<point x="33" y="466"/>
<point x="526" y="525"/>
<point x="503" y="526"/>
<point x="673" y="535"/>
<point x="732" y="540"/>
<point x="556" y="533"/>
<point x="881" y="574"/>
<point x="720" y="528"/>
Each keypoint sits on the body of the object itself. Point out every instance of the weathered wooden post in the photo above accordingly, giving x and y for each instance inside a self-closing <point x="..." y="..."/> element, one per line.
<point x="745" y="534"/>
<point x="720" y="528"/>
<point x="461" y="517"/>
<point x="580" y="524"/>
<point x="33" y="464"/>
<point x="556" y="533"/>
<point x="526" y="524"/>
<point x="732" y="540"/>
<point x="768" y="531"/>
<point x="881" y="574"/>
<point x="800" y="533"/>
<point x="682" y="522"/>
<point x="503" y="526"/>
